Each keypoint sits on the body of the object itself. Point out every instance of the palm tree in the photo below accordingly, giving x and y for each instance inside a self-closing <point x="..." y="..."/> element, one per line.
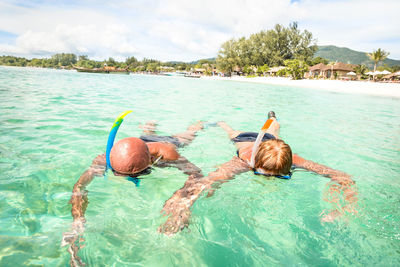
<point x="361" y="70"/>
<point x="377" y="56"/>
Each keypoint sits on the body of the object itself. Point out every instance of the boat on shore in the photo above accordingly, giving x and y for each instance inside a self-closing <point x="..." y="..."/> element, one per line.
<point x="191" y="75"/>
<point x="106" y="70"/>
<point x="175" y="74"/>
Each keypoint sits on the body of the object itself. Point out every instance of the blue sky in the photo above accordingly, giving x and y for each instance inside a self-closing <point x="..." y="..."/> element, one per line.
<point x="186" y="30"/>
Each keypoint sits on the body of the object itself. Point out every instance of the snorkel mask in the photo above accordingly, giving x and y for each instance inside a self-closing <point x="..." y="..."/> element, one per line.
<point x="261" y="172"/>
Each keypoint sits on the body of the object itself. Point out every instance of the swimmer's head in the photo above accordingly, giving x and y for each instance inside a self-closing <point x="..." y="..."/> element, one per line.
<point x="130" y="156"/>
<point x="274" y="156"/>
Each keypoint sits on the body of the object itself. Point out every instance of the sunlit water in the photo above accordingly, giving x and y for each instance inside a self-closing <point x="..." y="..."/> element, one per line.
<point x="53" y="123"/>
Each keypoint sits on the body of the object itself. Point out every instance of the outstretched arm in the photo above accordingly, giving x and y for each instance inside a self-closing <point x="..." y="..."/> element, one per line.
<point x="79" y="193"/>
<point x="178" y="206"/>
<point x="341" y="184"/>
<point x="79" y="201"/>
<point x="149" y="128"/>
<point x="228" y="129"/>
<point x="335" y="175"/>
<point x="188" y="136"/>
<point x="184" y="165"/>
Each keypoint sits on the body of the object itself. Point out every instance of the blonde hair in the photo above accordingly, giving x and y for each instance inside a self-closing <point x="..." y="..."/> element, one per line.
<point x="274" y="156"/>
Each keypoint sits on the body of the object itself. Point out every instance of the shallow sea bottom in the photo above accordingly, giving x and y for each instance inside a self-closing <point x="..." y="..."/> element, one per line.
<point x="53" y="123"/>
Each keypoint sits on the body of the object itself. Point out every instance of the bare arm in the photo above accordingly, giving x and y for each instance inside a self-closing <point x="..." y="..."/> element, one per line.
<point x="341" y="186"/>
<point x="309" y="165"/>
<point x="79" y="193"/>
<point x="169" y="157"/>
<point x="79" y="201"/>
<point x="188" y="136"/>
<point x="149" y="128"/>
<point x="228" y="129"/>
<point x="273" y="129"/>
<point x="184" y="165"/>
<point x="178" y="206"/>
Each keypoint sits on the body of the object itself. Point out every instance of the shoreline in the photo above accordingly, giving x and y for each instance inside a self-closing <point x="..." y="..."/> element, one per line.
<point x="391" y="90"/>
<point x="348" y="87"/>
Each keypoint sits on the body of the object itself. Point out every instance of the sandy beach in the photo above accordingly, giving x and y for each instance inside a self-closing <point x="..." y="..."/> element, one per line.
<point x="352" y="87"/>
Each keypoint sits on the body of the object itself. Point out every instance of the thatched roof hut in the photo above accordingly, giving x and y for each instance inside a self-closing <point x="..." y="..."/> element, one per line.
<point x="329" y="71"/>
<point x="166" y="68"/>
<point x="200" y="69"/>
<point x="392" y="76"/>
<point x="318" y="67"/>
<point x="109" y="67"/>
<point x="340" y="66"/>
<point x="275" y="69"/>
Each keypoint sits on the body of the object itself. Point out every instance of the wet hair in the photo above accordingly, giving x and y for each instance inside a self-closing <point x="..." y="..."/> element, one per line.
<point x="274" y="156"/>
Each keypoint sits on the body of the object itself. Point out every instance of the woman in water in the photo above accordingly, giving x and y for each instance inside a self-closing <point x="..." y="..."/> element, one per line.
<point x="273" y="158"/>
<point x="130" y="157"/>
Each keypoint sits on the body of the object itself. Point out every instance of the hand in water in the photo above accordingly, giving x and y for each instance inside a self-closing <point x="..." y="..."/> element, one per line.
<point x="175" y="223"/>
<point x="196" y="127"/>
<point x="342" y="195"/>
<point x="72" y="239"/>
<point x="331" y="216"/>
<point x="178" y="206"/>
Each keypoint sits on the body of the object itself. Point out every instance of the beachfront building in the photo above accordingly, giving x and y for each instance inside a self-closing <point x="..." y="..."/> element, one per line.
<point x="332" y="71"/>
<point x="393" y="77"/>
<point x="237" y="71"/>
<point x="338" y="70"/>
<point x="274" y="70"/>
<point x="167" y="69"/>
<point x="204" y="69"/>
<point x="200" y="70"/>
<point x="109" y="67"/>
<point x="316" y="71"/>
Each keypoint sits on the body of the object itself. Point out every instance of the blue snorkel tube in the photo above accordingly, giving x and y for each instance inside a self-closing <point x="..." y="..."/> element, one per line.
<point x="113" y="133"/>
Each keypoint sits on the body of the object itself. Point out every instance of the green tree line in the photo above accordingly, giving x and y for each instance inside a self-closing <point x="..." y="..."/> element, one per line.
<point x="56" y="61"/>
<point x="68" y="61"/>
<point x="267" y="48"/>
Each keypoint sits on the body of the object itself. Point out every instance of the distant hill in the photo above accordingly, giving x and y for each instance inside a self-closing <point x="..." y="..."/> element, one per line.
<point x="212" y="59"/>
<point x="334" y="53"/>
<point x="346" y="55"/>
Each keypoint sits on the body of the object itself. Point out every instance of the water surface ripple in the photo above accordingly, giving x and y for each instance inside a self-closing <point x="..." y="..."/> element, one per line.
<point x="53" y="123"/>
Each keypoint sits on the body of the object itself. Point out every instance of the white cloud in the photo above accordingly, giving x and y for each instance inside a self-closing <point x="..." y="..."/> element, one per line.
<point x="51" y="30"/>
<point x="359" y="25"/>
<point x="189" y="38"/>
<point x="237" y="18"/>
<point x="199" y="30"/>
<point x="182" y="30"/>
<point x="101" y="42"/>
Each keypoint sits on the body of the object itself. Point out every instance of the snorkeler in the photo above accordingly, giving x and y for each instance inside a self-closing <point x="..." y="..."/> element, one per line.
<point x="130" y="157"/>
<point x="273" y="157"/>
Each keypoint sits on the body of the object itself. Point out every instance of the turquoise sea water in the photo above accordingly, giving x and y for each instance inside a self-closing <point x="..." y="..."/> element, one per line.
<point x="53" y="123"/>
